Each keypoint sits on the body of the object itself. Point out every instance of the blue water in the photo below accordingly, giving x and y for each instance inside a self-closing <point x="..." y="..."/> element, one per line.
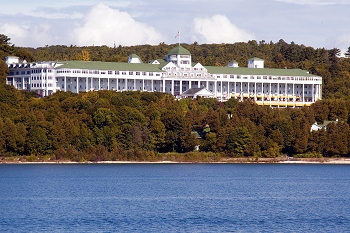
<point x="174" y="198"/>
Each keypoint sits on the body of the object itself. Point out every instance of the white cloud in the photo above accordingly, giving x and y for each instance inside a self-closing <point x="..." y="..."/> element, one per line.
<point x="218" y="29"/>
<point x="22" y="36"/>
<point x="316" y="2"/>
<point x="104" y="25"/>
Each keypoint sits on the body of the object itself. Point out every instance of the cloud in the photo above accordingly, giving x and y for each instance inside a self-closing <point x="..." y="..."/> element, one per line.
<point x="22" y="36"/>
<point x="218" y="29"/>
<point x="316" y="2"/>
<point x="104" y="25"/>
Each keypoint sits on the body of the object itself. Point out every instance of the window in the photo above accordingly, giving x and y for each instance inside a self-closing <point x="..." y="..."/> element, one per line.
<point x="137" y="73"/>
<point x="131" y="73"/>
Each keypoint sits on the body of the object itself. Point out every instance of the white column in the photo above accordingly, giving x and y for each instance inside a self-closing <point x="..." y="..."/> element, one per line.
<point x="285" y="93"/>
<point x="163" y="85"/>
<point x="241" y="94"/>
<point x="248" y="90"/>
<point x="255" y="96"/>
<point x="235" y="83"/>
<point x="180" y="86"/>
<point x="303" y="94"/>
<point x="108" y="83"/>
<point x="143" y="84"/>
<point x="228" y="89"/>
<point x="86" y="84"/>
<point x="262" y="93"/>
<point x="172" y="87"/>
<point x="278" y="94"/>
<point x="270" y="94"/>
<point x="215" y="88"/>
<point x="221" y="90"/>
<point x="189" y="84"/>
<point x="78" y="85"/>
<point x="65" y="83"/>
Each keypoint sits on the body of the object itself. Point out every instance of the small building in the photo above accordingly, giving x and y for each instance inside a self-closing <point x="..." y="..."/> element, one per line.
<point x="12" y="60"/>
<point x="233" y="63"/>
<point x="133" y="58"/>
<point x="315" y="126"/>
<point x="255" y="63"/>
<point x="197" y="92"/>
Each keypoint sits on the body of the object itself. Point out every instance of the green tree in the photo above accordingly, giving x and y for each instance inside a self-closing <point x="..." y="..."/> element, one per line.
<point x="209" y="142"/>
<point x="37" y="141"/>
<point x="239" y="140"/>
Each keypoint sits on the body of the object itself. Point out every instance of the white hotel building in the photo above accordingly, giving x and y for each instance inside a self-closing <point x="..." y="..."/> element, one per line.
<point x="174" y="75"/>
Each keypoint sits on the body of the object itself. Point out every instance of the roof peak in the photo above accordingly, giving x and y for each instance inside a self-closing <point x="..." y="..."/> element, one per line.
<point x="179" y="50"/>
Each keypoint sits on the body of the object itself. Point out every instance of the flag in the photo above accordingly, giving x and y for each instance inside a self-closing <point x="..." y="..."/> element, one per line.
<point x="178" y="34"/>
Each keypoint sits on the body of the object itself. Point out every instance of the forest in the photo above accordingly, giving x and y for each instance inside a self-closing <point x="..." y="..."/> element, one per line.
<point x="144" y="126"/>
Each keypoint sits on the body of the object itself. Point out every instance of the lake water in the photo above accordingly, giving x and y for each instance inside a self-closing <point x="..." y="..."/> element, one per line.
<point x="174" y="198"/>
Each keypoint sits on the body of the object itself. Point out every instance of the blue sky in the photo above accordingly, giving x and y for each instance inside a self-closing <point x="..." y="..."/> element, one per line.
<point x="37" y="23"/>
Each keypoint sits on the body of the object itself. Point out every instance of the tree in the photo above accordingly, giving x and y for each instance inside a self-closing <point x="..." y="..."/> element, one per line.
<point x="9" y="132"/>
<point x="209" y="142"/>
<point x="337" y="139"/>
<point x="347" y="53"/>
<point x="238" y="140"/>
<point x="85" y="55"/>
<point x="37" y="141"/>
<point x="5" y="45"/>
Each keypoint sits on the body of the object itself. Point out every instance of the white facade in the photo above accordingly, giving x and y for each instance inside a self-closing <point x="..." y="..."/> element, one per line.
<point x="255" y="63"/>
<point x="174" y="75"/>
<point x="12" y="60"/>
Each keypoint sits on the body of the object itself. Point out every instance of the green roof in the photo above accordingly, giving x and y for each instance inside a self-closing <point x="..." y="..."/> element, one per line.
<point x="257" y="71"/>
<point x="98" y="65"/>
<point x="123" y="66"/>
<point x="179" y="50"/>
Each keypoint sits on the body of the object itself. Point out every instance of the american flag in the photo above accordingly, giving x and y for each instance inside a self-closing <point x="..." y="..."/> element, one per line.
<point x="178" y="34"/>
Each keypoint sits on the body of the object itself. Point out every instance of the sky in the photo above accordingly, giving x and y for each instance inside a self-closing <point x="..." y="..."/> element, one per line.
<point x="37" y="23"/>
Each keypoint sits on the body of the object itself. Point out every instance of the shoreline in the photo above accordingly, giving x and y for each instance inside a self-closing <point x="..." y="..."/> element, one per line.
<point x="224" y="161"/>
